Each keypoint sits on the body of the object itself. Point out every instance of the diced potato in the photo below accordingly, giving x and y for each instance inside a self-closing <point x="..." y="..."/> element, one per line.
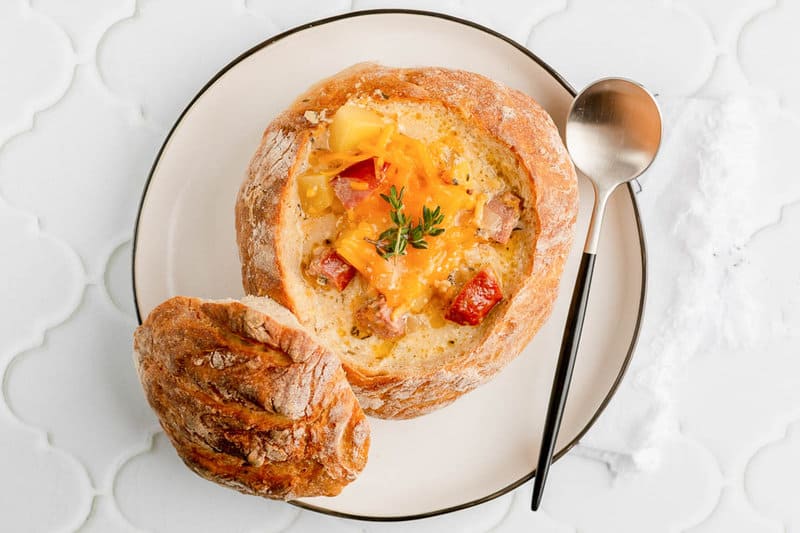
<point x="316" y="193"/>
<point x="352" y="125"/>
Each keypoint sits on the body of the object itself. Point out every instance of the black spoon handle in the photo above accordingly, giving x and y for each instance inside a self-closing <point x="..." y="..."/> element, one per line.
<point x="563" y="375"/>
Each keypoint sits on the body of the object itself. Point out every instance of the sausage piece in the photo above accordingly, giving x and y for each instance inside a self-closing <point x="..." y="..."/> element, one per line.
<point x="330" y="266"/>
<point x="475" y="299"/>
<point x="376" y="317"/>
<point x="356" y="182"/>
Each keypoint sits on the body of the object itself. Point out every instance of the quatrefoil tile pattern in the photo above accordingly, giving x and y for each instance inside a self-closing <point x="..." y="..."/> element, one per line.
<point x="84" y="21"/>
<point x="168" y="31"/>
<point x="88" y="91"/>
<point x="43" y="489"/>
<point x="53" y="173"/>
<point x="50" y="271"/>
<point x="769" y="50"/>
<point x="158" y="480"/>
<point x="83" y="362"/>
<point x="777" y="465"/>
<point x="40" y="75"/>
<point x="640" y="50"/>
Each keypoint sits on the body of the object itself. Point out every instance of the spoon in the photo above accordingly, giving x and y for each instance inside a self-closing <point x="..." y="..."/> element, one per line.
<point x="613" y="133"/>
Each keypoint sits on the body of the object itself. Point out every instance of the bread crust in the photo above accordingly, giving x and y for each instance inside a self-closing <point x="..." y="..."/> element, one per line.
<point x="507" y="115"/>
<point x="250" y="402"/>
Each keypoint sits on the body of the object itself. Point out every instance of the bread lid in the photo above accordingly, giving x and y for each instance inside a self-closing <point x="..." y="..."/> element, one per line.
<point x="249" y="398"/>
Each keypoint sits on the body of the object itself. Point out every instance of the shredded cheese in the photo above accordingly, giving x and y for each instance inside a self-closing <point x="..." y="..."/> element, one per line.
<point x="406" y="281"/>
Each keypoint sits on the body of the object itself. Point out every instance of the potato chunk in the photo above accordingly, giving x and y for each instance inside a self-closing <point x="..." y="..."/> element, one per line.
<point x="316" y="193"/>
<point x="351" y="125"/>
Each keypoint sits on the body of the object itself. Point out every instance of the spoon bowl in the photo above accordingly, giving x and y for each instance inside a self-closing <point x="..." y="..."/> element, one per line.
<point x="613" y="131"/>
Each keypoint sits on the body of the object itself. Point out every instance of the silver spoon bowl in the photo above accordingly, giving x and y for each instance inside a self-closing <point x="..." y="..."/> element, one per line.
<point x="613" y="134"/>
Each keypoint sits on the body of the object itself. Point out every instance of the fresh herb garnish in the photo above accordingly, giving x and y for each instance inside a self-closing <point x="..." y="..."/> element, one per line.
<point x="393" y="241"/>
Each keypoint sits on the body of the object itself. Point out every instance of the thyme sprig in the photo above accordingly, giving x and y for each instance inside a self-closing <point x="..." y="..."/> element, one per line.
<point x="394" y="241"/>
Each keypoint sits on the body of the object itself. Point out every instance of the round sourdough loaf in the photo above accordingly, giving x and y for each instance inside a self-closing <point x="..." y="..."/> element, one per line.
<point x="417" y="328"/>
<point x="248" y="399"/>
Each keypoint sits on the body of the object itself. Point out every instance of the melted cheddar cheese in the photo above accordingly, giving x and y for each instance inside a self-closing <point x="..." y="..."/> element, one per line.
<point x="430" y="174"/>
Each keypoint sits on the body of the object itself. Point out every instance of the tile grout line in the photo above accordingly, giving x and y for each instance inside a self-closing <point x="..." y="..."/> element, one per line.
<point x="564" y="8"/>
<point x="737" y="45"/>
<point x="31" y="114"/>
<point x="496" y="528"/>
<point x="790" y="205"/>
<point x="787" y="427"/>
<point x="135" y="110"/>
<point x="101" y="279"/>
<point x="295" y="519"/>
<point x="147" y="447"/>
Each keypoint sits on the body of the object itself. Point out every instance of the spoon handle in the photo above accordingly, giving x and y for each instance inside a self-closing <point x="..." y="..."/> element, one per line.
<point x="563" y="375"/>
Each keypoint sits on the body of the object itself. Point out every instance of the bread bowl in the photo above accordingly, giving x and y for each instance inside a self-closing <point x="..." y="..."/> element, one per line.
<point x="249" y="399"/>
<point x="346" y="183"/>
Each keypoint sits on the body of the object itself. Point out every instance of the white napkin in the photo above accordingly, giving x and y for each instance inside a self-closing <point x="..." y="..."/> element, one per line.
<point x="696" y="208"/>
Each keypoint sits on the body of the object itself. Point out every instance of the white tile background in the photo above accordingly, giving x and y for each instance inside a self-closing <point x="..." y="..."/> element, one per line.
<point x="88" y="90"/>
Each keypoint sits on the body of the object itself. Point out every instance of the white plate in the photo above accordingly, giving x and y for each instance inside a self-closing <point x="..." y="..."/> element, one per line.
<point x="485" y="443"/>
